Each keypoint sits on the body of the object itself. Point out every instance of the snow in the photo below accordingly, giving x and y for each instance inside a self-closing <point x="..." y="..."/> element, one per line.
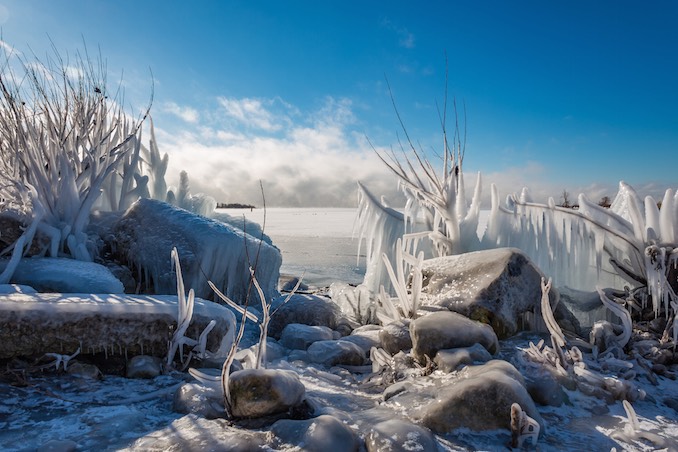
<point x="117" y="413"/>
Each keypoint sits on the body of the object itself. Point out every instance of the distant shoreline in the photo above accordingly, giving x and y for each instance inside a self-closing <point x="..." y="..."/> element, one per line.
<point x="222" y="205"/>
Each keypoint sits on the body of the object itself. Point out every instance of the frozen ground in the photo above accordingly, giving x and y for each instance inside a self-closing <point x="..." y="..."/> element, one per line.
<point x="76" y="413"/>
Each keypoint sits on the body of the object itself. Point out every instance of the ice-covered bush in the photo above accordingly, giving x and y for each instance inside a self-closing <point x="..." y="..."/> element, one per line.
<point x="62" y="134"/>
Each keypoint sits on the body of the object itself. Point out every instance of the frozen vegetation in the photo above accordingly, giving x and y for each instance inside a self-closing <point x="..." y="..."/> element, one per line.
<point x="551" y="329"/>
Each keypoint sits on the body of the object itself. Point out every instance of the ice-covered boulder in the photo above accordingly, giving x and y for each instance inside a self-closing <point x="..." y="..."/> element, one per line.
<point x="497" y="286"/>
<point x="395" y="336"/>
<point x="35" y="324"/>
<point x="449" y="360"/>
<point x="298" y="336"/>
<point x="263" y="392"/>
<point x="61" y="275"/>
<point x="480" y="399"/>
<point x="321" y="434"/>
<point x="144" y="366"/>
<point x="397" y="435"/>
<point x="445" y="329"/>
<point x="365" y="337"/>
<point x="208" y="249"/>
<point x="332" y="353"/>
<point x="305" y="309"/>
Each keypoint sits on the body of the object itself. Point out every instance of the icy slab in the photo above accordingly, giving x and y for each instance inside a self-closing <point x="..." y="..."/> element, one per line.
<point x="208" y="249"/>
<point x="15" y="288"/>
<point x="35" y="324"/>
<point x="51" y="274"/>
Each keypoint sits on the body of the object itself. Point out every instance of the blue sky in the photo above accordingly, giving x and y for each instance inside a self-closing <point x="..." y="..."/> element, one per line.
<point x="572" y="95"/>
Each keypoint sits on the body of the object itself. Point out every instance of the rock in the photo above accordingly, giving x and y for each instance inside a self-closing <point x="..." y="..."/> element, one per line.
<point x="321" y="434"/>
<point x="297" y="336"/>
<point x="480" y="399"/>
<point x="496" y="286"/>
<point x="305" y="309"/>
<point x="395" y="336"/>
<point x="365" y="338"/>
<point x="444" y="330"/>
<point x="262" y="392"/>
<point x="288" y="286"/>
<point x="451" y="359"/>
<point x="274" y="351"/>
<point x="332" y="353"/>
<point x="398" y="435"/>
<point x="84" y="370"/>
<point x="12" y="227"/>
<point x="546" y="390"/>
<point x="144" y="366"/>
<point x="35" y="324"/>
<point x="195" y="398"/>
<point x="395" y="389"/>
<point x="208" y="250"/>
<point x="61" y="275"/>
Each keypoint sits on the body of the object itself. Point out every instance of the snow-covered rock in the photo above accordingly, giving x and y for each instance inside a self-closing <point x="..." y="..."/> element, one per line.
<point x="208" y="249"/>
<point x="35" y="324"/>
<point x="262" y="392"/>
<point x="305" y="309"/>
<point x="365" y="337"/>
<point x="480" y="399"/>
<point x="496" y="286"/>
<point x="397" y="435"/>
<point x="449" y="360"/>
<point x="396" y="336"/>
<point x="144" y="366"/>
<point x="321" y="434"/>
<point x="15" y="288"/>
<point x="443" y="330"/>
<point x="61" y="275"/>
<point x="298" y="336"/>
<point x="332" y="353"/>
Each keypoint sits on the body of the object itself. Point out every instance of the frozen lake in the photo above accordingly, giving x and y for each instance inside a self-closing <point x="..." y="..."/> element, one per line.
<point x="317" y="242"/>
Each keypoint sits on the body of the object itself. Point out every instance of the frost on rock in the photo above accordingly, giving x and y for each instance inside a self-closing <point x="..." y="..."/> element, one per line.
<point x="209" y="251"/>
<point x="35" y="324"/>
<point x="51" y="274"/>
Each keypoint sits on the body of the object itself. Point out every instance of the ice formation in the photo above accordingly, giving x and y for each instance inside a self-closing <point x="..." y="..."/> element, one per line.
<point x="209" y="251"/>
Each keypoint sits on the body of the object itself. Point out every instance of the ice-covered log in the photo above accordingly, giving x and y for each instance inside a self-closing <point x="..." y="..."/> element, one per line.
<point x="35" y="324"/>
<point x="208" y="249"/>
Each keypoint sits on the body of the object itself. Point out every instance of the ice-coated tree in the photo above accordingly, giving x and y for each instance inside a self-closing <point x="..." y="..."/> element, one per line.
<point x="63" y="132"/>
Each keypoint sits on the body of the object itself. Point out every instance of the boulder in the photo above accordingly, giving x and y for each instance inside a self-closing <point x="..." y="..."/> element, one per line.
<point x="480" y="399"/>
<point x="297" y="336"/>
<point x="321" y="434"/>
<point x="35" y="324"/>
<point x="449" y="360"/>
<point x="144" y="366"/>
<point x="443" y="330"/>
<point x="496" y="286"/>
<point x="305" y="309"/>
<point x="398" y="435"/>
<point x="61" y="275"/>
<point x="365" y="337"/>
<point x="262" y="392"/>
<point x="208" y="250"/>
<point x="333" y="353"/>
<point x="395" y="336"/>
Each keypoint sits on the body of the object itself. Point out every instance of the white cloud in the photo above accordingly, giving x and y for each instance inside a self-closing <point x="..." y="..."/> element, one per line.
<point x="8" y="49"/>
<point x="187" y="114"/>
<point x="316" y="161"/>
<point x="252" y="113"/>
